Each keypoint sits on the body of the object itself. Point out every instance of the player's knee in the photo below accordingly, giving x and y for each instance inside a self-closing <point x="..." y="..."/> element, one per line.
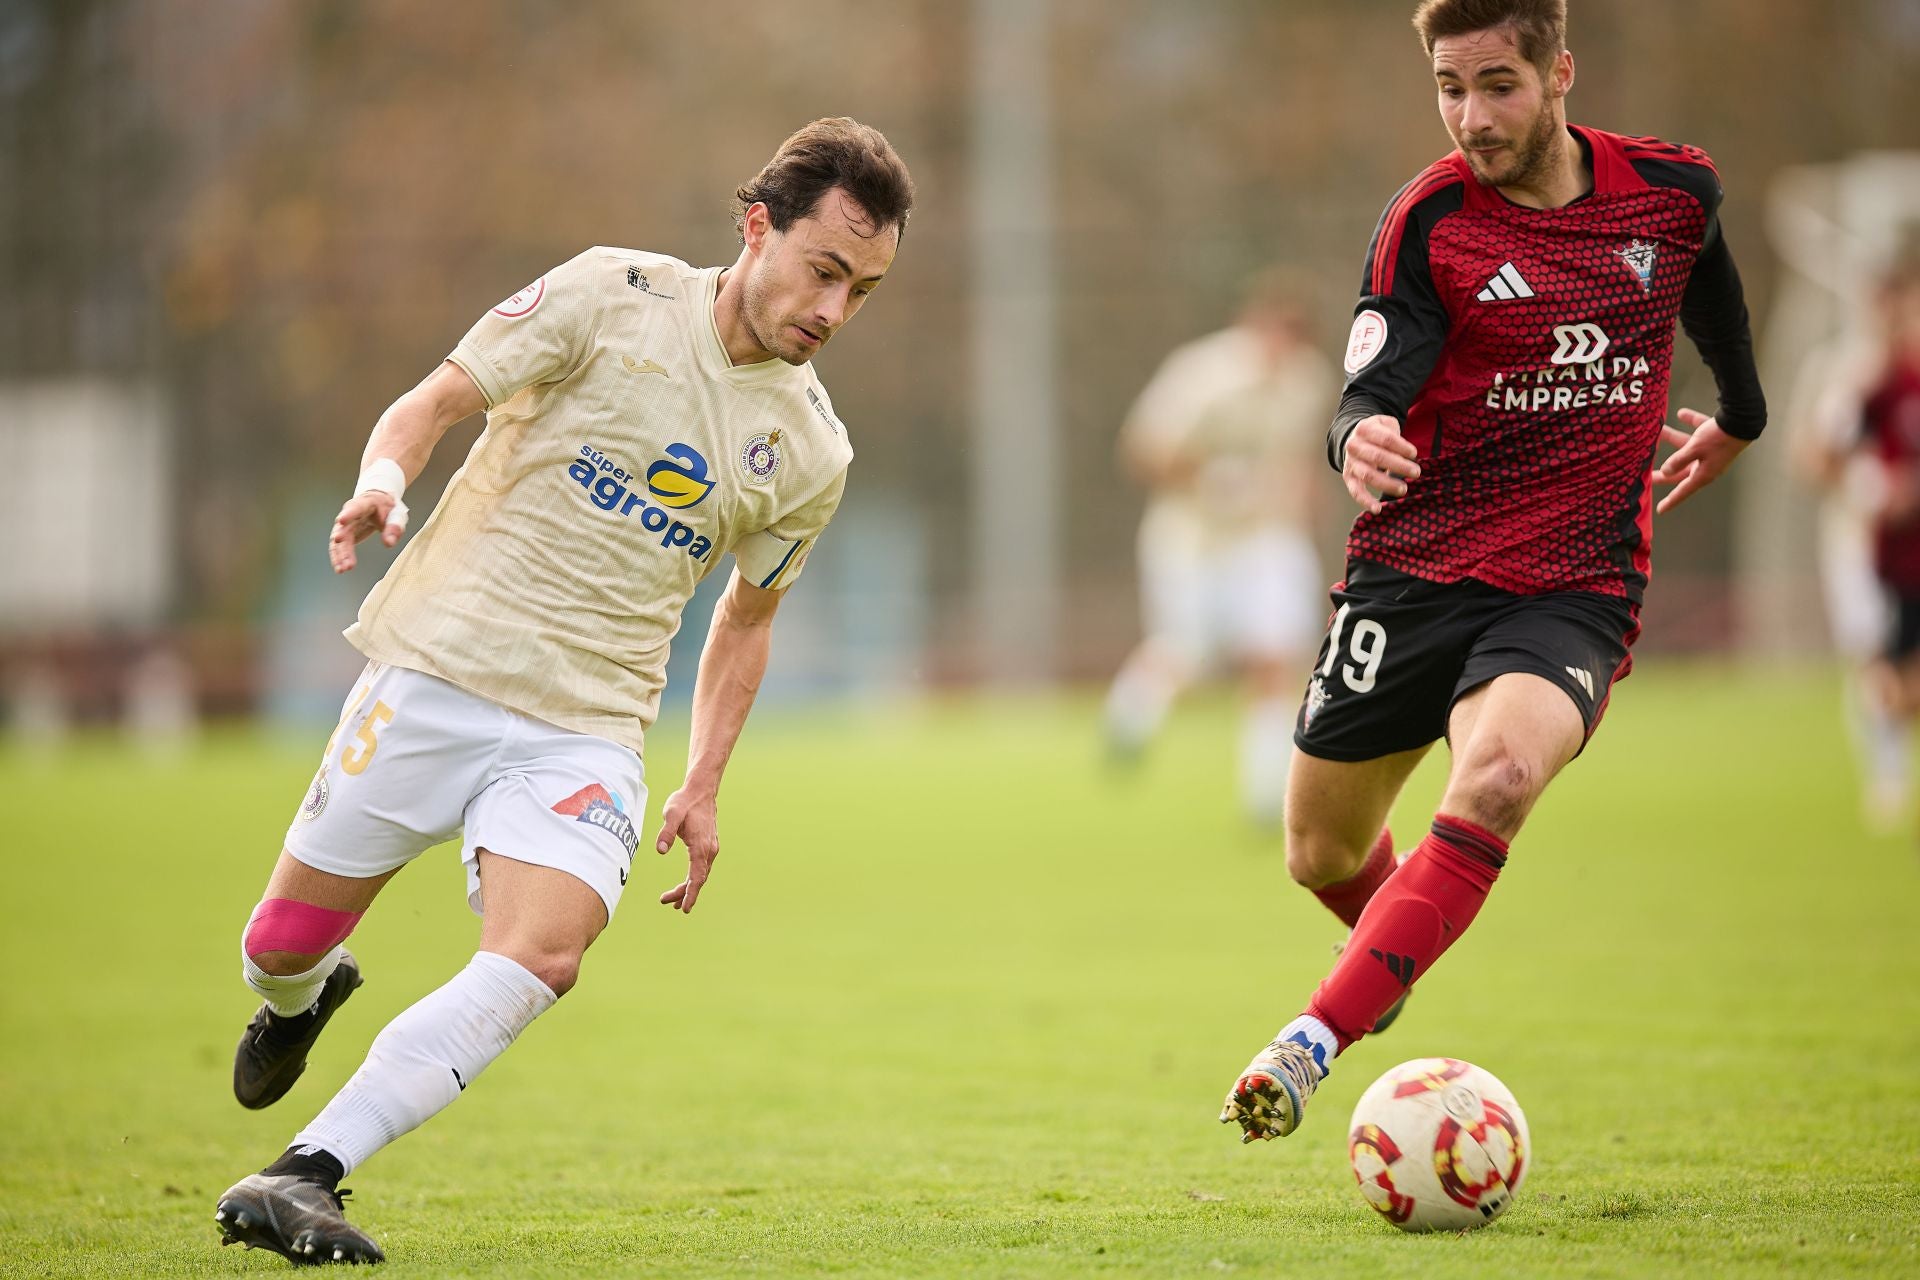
<point x="558" y="970"/>
<point x="1498" y="791"/>
<point x="285" y="937"/>
<point x="1314" y="861"/>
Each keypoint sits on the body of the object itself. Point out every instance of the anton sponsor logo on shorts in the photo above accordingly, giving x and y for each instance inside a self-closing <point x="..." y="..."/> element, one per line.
<point x="598" y="807"/>
<point x="675" y="483"/>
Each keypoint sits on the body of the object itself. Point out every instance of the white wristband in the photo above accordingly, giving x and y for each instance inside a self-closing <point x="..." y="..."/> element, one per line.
<point x="383" y="475"/>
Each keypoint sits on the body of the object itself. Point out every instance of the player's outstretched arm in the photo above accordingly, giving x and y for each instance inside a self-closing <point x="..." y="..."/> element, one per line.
<point x="731" y="665"/>
<point x="396" y="454"/>
<point x="1378" y="460"/>
<point x="1700" y="459"/>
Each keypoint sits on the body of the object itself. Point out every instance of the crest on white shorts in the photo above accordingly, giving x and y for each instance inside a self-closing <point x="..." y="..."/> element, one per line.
<point x="316" y="796"/>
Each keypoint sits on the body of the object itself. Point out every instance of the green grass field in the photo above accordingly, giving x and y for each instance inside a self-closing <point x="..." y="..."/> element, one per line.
<point x="960" y="1001"/>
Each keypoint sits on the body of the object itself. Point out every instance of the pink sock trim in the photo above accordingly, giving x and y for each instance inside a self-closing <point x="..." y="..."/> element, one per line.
<point x="282" y="924"/>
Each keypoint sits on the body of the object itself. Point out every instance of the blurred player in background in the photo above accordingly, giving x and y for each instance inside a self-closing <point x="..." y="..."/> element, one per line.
<point x="644" y="418"/>
<point x="1506" y="396"/>
<point x="1227" y="439"/>
<point x="1862" y="447"/>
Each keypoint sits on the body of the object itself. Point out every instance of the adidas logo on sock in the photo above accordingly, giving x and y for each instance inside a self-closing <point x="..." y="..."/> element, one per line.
<point x="1400" y="967"/>
<point x="1505" y="286"/>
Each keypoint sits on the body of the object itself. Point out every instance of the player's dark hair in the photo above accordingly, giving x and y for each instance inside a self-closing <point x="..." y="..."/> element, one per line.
<point x="1539" y="26"/>
<point x="834" y="152"/>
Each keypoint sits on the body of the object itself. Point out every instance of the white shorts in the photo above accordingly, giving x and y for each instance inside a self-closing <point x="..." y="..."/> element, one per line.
<point x="1259" y="596"/>
<point x="416" y="761"/>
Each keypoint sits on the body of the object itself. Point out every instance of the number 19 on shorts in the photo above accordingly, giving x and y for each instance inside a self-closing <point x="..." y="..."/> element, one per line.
<point x="1367" y="647"/>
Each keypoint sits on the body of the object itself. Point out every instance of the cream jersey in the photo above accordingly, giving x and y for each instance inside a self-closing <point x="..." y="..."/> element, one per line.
<point x="622" y="457"/>
<point x="1248" y="422"/>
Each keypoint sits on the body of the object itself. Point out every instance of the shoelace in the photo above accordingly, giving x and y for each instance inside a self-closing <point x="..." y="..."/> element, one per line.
<point x="1292" y="1059"/>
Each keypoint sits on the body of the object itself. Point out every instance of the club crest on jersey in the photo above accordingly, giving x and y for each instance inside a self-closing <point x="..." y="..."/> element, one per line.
<point x="760" y="457"/>
<point x="597" y="807"/>
<point x="1640" y="256"/>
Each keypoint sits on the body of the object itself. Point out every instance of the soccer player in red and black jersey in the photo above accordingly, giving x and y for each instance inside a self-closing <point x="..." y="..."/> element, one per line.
<point x="1506" y="398"/>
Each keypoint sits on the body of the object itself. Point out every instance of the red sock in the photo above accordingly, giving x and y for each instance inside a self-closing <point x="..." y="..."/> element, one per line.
<point x="1410" y="923"/>
<point x="1350" y="897"/>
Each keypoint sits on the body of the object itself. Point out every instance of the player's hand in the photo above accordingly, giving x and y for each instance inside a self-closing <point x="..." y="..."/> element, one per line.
<point x="694" y="818"/>
<point x="1379" y="460"/>
<point x="1698" y="460"/>
<point x="364" y="514"/>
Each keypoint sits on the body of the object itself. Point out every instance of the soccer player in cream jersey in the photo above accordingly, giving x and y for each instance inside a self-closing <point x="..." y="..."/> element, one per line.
<point x="1226" y="437"/>
<point x="645" y="419"/>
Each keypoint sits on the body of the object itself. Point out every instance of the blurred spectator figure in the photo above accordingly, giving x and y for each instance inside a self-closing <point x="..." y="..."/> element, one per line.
<point x="161" y="716"/>
<point x="1227" y="438"/>
<point x="1861" y="446"/>
<point x="37" y="714"/>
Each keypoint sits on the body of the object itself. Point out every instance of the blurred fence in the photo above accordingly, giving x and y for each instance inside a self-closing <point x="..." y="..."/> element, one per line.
<point x="250" y="225"/>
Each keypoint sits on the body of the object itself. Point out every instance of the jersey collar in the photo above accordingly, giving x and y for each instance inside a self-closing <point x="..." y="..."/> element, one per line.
<point x="1612" y="173"/>
<point x="713" y="353"/>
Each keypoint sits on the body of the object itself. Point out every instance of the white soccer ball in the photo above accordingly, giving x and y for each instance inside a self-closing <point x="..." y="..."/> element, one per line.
<point x="1438" y="1144"/>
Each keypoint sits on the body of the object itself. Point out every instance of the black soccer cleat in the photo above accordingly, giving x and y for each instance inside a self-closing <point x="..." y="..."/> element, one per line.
<point x="1385" y="1020"/>
<point x="301" y="1220"/>
<point x="273" y="1049"/>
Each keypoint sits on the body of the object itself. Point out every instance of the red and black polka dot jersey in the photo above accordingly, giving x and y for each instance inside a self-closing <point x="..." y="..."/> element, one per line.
<point x="1526" y="353"/>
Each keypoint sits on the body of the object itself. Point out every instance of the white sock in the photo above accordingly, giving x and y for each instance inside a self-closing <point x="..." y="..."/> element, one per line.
<point x="1266" y="749"/>
<point x="1316" y="1037"/>
<point x="426" y="1056"/>
<point x="1137" y="703"/>
<point x="294" y="993"/>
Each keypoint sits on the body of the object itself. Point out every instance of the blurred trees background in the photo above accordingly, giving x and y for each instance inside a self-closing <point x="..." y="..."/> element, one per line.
<point x="285" y="213"/>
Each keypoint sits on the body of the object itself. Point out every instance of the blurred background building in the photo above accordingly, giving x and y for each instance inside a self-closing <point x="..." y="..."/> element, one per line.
<point x="233" y="230"/>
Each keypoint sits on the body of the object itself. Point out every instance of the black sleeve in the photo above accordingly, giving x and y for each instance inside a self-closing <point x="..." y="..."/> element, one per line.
<point x="1713" y="310"/>
<point x="1399" y="324"/>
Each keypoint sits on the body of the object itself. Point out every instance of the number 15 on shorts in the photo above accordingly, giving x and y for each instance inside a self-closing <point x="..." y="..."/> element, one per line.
<point x="358" y="753"/>
<point x="1367" y="648"/>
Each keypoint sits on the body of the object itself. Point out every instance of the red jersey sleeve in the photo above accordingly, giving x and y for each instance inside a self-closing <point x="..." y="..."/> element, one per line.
<point x="1400" y="322"/>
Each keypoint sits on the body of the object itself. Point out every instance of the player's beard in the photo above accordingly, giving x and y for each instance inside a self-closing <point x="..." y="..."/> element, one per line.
<point x="768" y="330"/>
<point x="1532" y="155"/>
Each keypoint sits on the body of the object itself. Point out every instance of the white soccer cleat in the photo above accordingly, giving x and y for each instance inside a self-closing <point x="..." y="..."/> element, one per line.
<point x="1270" y="1096"/>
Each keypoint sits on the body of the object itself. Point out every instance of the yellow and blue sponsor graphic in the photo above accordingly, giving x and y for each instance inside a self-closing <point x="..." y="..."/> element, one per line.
<point x="679" y="481"/>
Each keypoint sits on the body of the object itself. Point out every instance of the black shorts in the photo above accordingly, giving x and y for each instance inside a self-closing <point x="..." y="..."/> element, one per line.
<point x="1903" y="636"/>
<point x="1400" y="651"/>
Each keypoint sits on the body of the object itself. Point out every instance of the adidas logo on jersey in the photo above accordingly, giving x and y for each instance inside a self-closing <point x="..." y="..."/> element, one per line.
<point x="1505" y="286"/>
<point x="1583" y="678"/>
